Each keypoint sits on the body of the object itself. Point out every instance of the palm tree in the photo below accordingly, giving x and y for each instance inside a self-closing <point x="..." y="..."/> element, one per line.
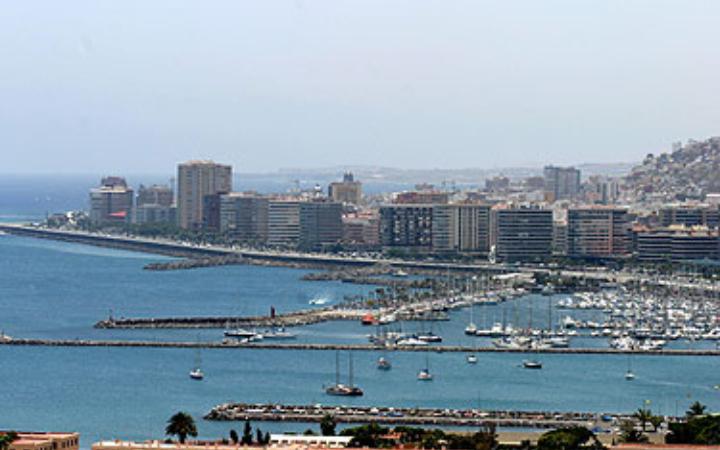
<point x="696" y="409"/>
<point x="643" y="416"/>
<point x="181" y="425"/>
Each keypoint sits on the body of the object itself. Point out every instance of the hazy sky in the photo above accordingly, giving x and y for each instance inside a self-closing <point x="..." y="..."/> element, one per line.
<point x="136" y="86"/>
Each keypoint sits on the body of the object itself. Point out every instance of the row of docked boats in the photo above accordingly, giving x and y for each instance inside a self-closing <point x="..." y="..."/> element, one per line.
<point x="648" y="318"/>
<point x="244" y="335"/>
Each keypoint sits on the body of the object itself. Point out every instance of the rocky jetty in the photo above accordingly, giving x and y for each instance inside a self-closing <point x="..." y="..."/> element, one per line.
<point x="195" y="263"/>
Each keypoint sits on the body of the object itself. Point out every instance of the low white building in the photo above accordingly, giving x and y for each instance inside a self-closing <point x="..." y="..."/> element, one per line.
<point x="309" y="441"/>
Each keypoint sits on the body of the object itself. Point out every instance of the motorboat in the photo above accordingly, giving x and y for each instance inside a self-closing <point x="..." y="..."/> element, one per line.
<point x="241" y="333"/>
<point x="532" y="364"/>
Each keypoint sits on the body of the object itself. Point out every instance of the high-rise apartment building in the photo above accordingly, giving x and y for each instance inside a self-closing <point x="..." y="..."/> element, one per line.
<point x="603" y="190"/>
<point x="244" y="217"/>
<point x="112" y="202"/>
<point x="361" y="229"/>
<point x="196" y="180"/>
<point x="408" y="226"/>
<point x="461" y="228"/>
<point x="283" y="223"/>
<point x="677" y="243"/>
<point x="521" y="233"/>
<point x="346" y="191"/>
<point x="689" y="215"/>
<point x="561" y="182"/>
<point x="154" y="204"/>
<point x="320" y="224"/>
<point x="422" y="197"/>
<point x="598" y="232"/>
<point x="155" y="195"/>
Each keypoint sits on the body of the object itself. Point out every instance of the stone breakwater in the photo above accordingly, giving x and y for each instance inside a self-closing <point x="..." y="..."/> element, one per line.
<point x="195" y="263"/>
<point x="233" y="344"/>
<point x="292" y="319"/>
<point x="403" y="416"/>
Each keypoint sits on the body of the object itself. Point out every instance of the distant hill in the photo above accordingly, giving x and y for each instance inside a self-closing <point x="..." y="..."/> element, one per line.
<point x="688" y="172"/>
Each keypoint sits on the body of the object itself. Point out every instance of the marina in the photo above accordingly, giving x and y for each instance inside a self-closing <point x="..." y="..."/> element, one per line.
<point x="50" y="326"/>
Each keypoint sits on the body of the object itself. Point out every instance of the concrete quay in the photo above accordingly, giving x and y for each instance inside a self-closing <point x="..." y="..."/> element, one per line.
<point x="400" y="416"/>
<point x="179" y="249"/>
<point x="231" y="344"/>
<point x="292" y="319"/>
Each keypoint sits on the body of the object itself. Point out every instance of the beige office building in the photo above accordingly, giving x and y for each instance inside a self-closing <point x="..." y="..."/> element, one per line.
<point x="461" y="228"/>
<point x="196" y="181"/>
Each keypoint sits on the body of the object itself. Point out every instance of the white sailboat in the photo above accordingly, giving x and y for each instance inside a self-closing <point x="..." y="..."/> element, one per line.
<point x="471" y="328"/>
<point x="196" y="373"/>
<point x="424" y="374"/>
<point x="629" y="375"/>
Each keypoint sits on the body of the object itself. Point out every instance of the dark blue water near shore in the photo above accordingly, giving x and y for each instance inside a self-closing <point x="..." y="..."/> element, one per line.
<point x="58" y="290"/>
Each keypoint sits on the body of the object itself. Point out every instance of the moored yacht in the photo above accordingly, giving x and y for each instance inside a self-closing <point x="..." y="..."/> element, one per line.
<point x="278" y="333"/>
<point x="241" y="333"/>
<point x="340" y="389"/>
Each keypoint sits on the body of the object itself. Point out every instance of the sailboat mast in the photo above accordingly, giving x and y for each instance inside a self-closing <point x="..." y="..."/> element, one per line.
<point x="350" y="375"/>
<point x="337" y="367"/>
<point x="550" y="305"/>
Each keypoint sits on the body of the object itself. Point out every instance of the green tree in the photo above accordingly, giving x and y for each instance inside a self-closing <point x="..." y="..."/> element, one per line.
<point x="699" y="430"/>
<point x="656" y="421"/>
<point x="266" y="441"/>
<point x="181" y="425"/>
<point x="486" y="438"/>
<point x="327" y="425"/>
<point x="247" y="436"/>
<point x="696" y="409"/>
<point x="369" y="435"/>
<point x="7" y="439"/>
<point x="629" y="433"/>
<point x="572" y="438"/>
<point x="259" y="438"/>
<point x="234" y="437"/>
<point x="643" y="416"/>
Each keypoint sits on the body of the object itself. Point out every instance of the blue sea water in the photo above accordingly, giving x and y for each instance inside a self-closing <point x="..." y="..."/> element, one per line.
<point x="58" y="290"/>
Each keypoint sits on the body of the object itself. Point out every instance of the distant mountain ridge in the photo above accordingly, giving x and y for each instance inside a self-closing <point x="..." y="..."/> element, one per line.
<point x="687" y="172"/>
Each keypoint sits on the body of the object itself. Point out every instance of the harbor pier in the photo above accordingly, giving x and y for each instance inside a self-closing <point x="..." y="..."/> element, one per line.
<point x="404" y="416"/>
<point x="233" y="344"/>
